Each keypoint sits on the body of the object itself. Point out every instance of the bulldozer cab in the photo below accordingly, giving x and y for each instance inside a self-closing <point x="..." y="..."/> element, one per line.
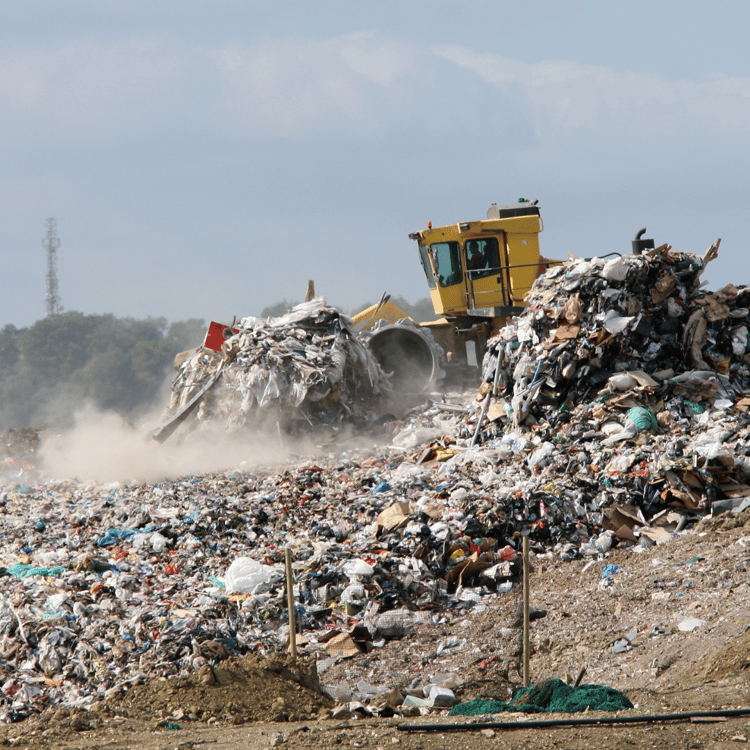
<point x="483" y="268"/>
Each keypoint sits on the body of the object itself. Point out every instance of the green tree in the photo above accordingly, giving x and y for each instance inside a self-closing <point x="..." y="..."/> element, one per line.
<point x="59" y="345"/>
<point x="10" y="351"/>
<point x="47" y="371"/>
<point x="185" y="334"/>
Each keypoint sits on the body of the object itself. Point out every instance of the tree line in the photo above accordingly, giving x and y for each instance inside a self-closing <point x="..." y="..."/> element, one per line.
<point x="54" y="367"/>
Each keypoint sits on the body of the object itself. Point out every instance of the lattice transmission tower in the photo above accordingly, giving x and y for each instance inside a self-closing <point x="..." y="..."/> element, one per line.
<point x="50" y="243"/>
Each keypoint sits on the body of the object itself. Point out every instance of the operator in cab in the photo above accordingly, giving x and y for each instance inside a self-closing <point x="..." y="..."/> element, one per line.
<point x="475" y="257"/>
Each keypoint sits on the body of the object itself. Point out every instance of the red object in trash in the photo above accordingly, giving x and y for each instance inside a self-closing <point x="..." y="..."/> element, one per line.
<point x="217" y="334"/>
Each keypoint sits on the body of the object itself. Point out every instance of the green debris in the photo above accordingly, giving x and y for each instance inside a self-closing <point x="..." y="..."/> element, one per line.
<point x="551" y="696"/>
<point x="26" y="571"/>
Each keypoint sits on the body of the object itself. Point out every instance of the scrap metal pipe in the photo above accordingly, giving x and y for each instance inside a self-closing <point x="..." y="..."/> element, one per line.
<point x="526" y="612"/>
<point x="546" y="723"/>
<point x="178" y="418"/>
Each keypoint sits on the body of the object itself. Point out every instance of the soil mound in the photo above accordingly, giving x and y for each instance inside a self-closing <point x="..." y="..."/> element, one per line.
<point x="730" y="660"/>
<point x="247" y="688"/>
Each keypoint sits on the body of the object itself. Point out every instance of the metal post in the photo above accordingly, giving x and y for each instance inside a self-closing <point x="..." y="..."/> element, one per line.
<point x="526" y="639"/>
<point x="290" y="603"/>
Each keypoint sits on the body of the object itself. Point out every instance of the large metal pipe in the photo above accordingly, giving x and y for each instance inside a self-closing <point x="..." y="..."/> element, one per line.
<point x="573" y="722"/>
<point x="407" y="355"/>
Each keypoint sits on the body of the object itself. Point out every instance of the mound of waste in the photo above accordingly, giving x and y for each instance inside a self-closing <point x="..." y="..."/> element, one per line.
<point x="303" y="368"/>
<point x="627" y="385"/>
<point x="620" y="417"/>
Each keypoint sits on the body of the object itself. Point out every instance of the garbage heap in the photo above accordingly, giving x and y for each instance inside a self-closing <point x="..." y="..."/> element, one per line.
<point x="622" y="417"/>
<point x="105" y="587"/>
<point x="303" y="368"/>
<point x="626" y="384"/>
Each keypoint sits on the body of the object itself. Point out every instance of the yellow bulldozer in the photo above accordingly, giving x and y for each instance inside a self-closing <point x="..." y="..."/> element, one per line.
<point x="478" y="274"/>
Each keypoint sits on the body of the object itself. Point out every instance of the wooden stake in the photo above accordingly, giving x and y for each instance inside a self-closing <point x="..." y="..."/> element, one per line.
<point x="290" y="603"/>
<point x="526" y="639"/>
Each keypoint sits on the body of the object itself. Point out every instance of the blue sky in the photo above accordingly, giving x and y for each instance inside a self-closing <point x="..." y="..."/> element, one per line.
<point x="205" y="159"/>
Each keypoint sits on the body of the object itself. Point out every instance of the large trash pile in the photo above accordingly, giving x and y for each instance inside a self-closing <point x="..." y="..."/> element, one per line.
<point x="623" y="418"/>
<point x="303" y="368"/>
<point x="626" y="384"/>
<point x="109" y="586"/>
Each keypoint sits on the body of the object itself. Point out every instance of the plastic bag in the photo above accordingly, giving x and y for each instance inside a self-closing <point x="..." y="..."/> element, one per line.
<point x="245" y="575"/>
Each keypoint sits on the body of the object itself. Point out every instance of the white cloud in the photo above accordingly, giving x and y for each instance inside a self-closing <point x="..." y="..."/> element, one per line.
<point x="83" y="89"/>
<point x="290" y="87"/>
<point x="86" y="89"/>
<point x="571" y="100"/>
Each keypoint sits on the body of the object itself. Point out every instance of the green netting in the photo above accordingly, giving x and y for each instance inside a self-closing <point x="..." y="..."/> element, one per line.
<point x="643" y="418"/>
<point x="26" y="571"/>
<point x="551" y="696"/>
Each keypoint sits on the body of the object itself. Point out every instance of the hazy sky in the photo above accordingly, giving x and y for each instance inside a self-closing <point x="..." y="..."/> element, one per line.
<point x="205" y="159"/>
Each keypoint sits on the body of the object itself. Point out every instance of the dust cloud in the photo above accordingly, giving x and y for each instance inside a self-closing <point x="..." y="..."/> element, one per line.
<point x="103" y="447"/>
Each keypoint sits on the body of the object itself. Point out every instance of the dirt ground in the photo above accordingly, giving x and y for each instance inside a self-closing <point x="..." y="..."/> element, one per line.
<point x="648" y="607"/>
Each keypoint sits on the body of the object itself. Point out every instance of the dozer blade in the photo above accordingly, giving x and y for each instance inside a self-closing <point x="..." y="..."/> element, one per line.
<point x="166" y="430"/>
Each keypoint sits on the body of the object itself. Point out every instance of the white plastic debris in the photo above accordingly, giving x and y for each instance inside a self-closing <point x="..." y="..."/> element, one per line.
<point x="245" y="576"/>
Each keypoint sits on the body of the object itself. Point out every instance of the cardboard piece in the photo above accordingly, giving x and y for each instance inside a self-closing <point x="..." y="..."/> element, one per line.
<point x="733" y="489"/>
<point x="342" y="646"/>
<point x="394" y="516"/>
<point x="643" y="379"/>
<point x="562" y="333"/>
<point x="624" y="520"/>
<point x="496" y="411"/>
<point x="663" y="288"/>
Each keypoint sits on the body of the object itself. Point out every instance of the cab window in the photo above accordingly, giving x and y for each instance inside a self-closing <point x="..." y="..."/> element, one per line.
<point x="447" y="262"/>
<point x="482" y="257"/>
<point x="424" y="257"/>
